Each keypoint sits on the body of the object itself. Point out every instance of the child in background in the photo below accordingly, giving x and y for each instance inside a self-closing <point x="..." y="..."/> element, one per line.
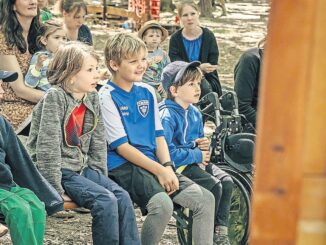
<point x="67" y="143"/>
<point x="153" y="34"/>
<point x="52" y="36"/>
<point x="189" y="149"/>
<point x="138" y="156"/>
<point x="45" y="14"/>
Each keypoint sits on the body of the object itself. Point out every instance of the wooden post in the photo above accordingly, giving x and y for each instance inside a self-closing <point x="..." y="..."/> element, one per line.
<point x="289" y="204"/>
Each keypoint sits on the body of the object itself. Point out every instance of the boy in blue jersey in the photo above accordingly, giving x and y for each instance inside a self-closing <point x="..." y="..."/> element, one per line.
<point x="189" y="149"/>
<point x="138" y="156"/>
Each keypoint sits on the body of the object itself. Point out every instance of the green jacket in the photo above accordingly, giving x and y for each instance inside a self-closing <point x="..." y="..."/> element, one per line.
<point x="47" y="142"/>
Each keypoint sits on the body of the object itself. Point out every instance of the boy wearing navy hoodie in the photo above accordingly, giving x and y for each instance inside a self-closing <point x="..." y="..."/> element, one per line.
<point x="189" y="149"/>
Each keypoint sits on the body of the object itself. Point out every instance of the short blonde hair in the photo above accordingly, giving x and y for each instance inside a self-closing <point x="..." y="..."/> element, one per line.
<point x="67" y="62"/>
<point x="122" y="46"/>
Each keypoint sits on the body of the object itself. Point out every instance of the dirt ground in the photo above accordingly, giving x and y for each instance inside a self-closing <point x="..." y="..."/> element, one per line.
<point x="244" y="25"/>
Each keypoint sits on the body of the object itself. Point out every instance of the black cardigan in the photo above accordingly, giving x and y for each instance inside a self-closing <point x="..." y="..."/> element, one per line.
<point x="208" y="54"/>
<point x="246" y="82"/>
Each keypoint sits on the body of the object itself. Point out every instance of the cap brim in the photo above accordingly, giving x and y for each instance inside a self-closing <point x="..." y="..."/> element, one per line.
<point x="183" y="70"/>
<point x="8" y="76"/>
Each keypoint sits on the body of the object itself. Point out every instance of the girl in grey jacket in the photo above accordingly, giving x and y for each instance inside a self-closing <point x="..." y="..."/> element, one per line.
<point x="67" y="143"/>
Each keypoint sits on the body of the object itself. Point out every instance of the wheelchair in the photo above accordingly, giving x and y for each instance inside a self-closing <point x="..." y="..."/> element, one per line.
<point x="232" y="151"/>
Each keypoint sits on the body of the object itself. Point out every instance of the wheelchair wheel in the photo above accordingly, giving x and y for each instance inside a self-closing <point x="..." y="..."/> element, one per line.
<point x="183" y="218"/>
<point x="240" y="207"/>
<point x="238" y="217"/>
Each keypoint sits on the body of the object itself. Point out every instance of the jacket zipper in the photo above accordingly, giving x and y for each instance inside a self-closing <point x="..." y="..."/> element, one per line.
<point x="186" y="127"/>
<point x="83" y="157"/>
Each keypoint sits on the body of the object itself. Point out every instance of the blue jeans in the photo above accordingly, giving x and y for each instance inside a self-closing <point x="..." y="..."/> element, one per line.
<point x="114" y="220"/>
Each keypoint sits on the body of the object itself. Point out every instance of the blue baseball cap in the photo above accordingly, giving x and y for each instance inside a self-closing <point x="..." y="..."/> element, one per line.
<point x="174" y="71"/>
<point x="8" y="76"/>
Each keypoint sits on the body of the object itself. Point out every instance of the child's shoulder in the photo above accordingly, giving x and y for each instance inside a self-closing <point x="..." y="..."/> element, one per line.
<point x="54" y="94"/>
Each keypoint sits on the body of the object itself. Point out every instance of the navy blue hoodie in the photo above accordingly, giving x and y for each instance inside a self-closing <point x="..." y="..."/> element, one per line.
<point x="181" y="128"/>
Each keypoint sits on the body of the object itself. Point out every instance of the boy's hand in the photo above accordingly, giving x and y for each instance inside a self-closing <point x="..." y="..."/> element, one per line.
<point x="66" y="198"/>
<point x="168" y="180"/>
<point x="40" y="59"/>
<point x="160" y="88"/>
<point x="205" y="157"/>
<point x="154" y="60"/>
<point x="203" y="143"/>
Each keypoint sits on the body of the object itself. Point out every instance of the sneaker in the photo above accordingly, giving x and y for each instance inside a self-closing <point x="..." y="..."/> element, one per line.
<point x="221" y="240"/>
<point x="65" y="214"/>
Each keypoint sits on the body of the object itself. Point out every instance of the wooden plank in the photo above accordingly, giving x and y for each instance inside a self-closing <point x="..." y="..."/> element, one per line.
<point x="312" y="224"/>
<point x="282" y="108"/>
<point x="98" y="9"/>
<point x="315" y="136"/>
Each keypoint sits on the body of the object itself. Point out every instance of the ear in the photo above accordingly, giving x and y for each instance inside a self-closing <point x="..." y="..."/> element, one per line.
<point x="44" y="41"/>
<point x="114" y="65"/>
<point x="64" y="13"/>
<point x="173" y="91"/>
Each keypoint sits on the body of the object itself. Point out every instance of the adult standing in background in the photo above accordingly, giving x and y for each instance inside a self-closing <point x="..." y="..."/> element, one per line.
<point x="19" y="25"/>
<point x="246" y="81"/>
<point x="74" y="12"/>
<point x="196" y="43"/>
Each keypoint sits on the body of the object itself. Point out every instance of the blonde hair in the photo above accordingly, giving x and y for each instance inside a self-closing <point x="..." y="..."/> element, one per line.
<point x="182" y="5"/>
<point x="46" y="30"/>
<point x="122" y="46"/>
<point x="67" y="62"/>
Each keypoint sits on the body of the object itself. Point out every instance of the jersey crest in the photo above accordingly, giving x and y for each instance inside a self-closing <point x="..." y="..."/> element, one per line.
<point x="143" y="107"/>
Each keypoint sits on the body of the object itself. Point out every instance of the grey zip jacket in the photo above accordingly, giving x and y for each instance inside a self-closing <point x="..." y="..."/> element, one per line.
<point x="47" y="143"/>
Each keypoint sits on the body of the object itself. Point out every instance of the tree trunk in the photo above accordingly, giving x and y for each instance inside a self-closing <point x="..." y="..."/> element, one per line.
<point x="206" y="8"/>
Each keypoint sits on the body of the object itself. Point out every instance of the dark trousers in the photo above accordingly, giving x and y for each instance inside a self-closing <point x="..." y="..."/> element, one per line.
<point x="114" y="220"/>
<point x="219" y="183"/>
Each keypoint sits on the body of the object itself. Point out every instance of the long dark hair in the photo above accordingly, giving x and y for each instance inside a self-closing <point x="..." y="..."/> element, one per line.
<point x="13" y="31"/>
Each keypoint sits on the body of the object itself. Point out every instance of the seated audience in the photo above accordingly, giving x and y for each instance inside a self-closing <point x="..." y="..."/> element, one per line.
<point x="19" y="26"/>
<point x="153" y="34"/>
<point x="73" y="12"/>
<point x="195" y="43"/>
<point x="51" y="37"/>
<point x="138" y="156"/>
<point x="68" y="145"/>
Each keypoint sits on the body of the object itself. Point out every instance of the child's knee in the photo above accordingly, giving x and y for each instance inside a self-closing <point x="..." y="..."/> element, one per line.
<point x="227" y="183"/>
<point x="160" y="203"/>
<point x="208" y="199"/>
<point x="105" y="203"/>
<point x="19" y="210"/>
<point x="124" y="199"/>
